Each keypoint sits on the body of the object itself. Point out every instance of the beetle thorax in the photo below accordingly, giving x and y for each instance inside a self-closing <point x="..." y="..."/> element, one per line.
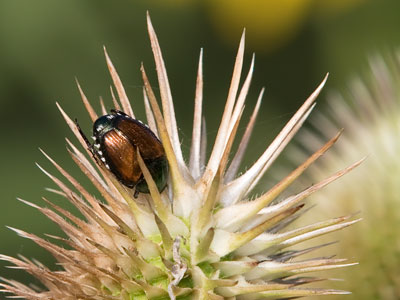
<point x="103" y="125"/>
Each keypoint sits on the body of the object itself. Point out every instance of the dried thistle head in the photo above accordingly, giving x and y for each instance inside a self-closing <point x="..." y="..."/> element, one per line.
<point x="200" y="238"/>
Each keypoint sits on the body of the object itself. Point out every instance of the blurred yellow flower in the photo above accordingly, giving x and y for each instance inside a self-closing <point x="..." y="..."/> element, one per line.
<point x="333" y="7"/>
<point x="270" y="24"/>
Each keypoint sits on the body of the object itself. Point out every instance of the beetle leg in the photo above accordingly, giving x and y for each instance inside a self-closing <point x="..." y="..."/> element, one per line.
<point x="88" y="144"/>
<point x="136" y="194"/>
<point x="116" y="112"/>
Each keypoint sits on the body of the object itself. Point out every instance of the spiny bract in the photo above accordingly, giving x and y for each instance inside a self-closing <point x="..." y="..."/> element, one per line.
<point x="202" y="237"/>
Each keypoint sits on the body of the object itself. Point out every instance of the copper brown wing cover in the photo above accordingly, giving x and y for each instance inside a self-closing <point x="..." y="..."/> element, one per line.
<point x="140" y="136"/>
<point x="120" y="154"/>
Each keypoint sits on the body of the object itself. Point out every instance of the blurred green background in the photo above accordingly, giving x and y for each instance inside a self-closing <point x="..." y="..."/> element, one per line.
<point x="45" y="44"/>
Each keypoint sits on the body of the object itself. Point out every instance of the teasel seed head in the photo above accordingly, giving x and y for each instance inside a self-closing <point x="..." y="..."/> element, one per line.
<point x="203" y="237"/>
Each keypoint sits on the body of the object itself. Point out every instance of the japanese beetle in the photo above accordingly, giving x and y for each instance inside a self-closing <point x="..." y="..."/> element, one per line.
<point x="116" y="139"/>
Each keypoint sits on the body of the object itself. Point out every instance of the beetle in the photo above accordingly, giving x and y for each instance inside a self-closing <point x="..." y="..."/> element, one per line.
<point x="116" y="139"/>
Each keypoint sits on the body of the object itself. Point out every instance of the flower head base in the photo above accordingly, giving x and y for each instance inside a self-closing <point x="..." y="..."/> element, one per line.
<point x="201" y="238"/>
